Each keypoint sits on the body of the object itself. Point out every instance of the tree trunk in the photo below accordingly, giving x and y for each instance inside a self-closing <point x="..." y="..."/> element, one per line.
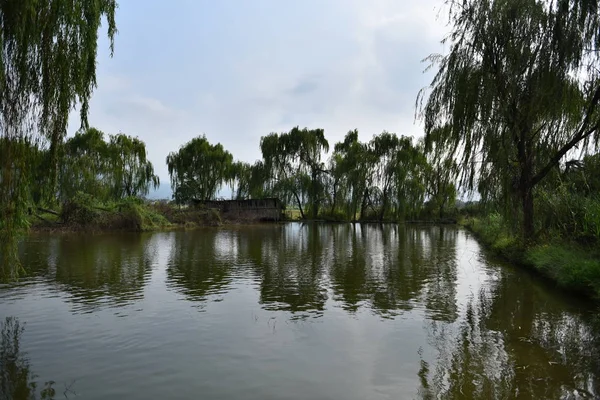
<point x="299" y="205"/>
<point x="525" y="188"/>
<point x="526" y="185"/>
<point x="363" y="206"/>
<point x="50" y="195"/>
<point x="354" y="209"/>
<point x="383" y="207"/>
<point x="527" y="203"/>
<point x="442" y="208"/>
<point x="334" y="199"/>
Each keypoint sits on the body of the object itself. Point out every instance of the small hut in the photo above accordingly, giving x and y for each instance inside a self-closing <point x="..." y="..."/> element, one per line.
<point x="267" y="209"/>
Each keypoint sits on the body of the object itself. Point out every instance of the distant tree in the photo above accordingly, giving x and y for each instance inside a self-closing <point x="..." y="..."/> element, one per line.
<point x="293" y="160"/>
<point x="441" y="172"/>
<point x="131" y="172"/>
<point x="519" y="89"/>
<point x="84" y="166"/>
<point x="409" y="188"/>
<point x="354" y="162"/>
<point x="259" y="184"/>
<point x="109" y="170"/>
<point x="239" y="178"/>
<point x="198" y="170"/>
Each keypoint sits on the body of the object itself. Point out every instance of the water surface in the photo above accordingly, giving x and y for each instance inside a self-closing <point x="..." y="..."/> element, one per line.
<point x="292" y="312"/>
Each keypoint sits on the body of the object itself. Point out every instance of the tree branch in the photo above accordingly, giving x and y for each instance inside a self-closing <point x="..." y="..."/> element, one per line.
<point x="581" y="134"/>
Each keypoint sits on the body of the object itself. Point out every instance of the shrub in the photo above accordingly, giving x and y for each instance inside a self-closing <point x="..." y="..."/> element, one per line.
<point x="136" y="215"/>
<point x="80" y="210"/>
<point x="569" y="214"/>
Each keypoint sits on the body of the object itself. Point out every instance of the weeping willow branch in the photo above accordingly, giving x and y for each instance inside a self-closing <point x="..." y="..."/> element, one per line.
<point x="47" y="66"/>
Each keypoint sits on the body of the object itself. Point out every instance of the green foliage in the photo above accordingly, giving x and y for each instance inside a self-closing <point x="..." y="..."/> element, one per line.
<point x="139" y="216"/>
<point x="494" y="231"/>
<point x="240" y="174"/>
<point x="189" y="216"/>
<point x="84" y="211"/>
<point x="108" y="171"/>
<point x="293" y="164"/>
<point x="566" y="213"/>
<point x="383" y="179"/>
<point x="81" y="209"/>
<point x="19" y="158"/>
<point x="84" y="166"/>
<point x="47" y="64"/>
<point x="353" y="165"/>
<point x="570" y="266"/>
<point x="198" y="170"/>
<point x="512" y="109"/>
<point x="129" y="170"/>
<point x="333" y="216"/>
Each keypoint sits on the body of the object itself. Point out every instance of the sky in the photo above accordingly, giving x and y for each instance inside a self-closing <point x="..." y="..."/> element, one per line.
<point x="237" y="70"/>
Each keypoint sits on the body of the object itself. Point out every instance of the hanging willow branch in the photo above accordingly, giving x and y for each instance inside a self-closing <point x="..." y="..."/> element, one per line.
<point x="516" y="93"/>
<point x="47" y="66"/>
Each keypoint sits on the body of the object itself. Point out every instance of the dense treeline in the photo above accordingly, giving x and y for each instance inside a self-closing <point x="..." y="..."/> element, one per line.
<point x="106" y="170"/>
<point x="387" y="178"/>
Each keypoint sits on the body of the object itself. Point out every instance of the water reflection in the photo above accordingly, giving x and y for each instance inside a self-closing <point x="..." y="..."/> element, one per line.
<point x="17" y="382"/>
<point x="201" y="263"/>
<point x="513" y="341"/>
<point x="381" y="268"/>
<point x="94" y="270"/>
<point x="390" y="269"/>
<point x="488" y="331"/>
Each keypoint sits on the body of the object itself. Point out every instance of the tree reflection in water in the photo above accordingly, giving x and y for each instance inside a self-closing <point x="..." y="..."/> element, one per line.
<point x="387" y="269"/>
<point x="492" y="332"/>
<point x="95" y="270"/>
<point x="503" y="347"/>
<point x="17" y="382"/>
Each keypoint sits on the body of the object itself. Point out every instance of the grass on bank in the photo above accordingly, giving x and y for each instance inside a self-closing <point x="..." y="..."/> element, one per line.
<point x="572" y="266"/>
<point x="84" y="213"/>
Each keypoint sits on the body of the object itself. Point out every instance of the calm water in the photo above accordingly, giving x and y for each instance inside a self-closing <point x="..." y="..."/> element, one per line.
<point x="291" y="312"/>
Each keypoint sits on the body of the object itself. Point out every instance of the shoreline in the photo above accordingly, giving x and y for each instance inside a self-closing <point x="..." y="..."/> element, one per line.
<point x="569" y="267"/>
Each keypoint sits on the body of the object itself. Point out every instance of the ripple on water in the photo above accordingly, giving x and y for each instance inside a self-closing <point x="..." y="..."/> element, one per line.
<point x="311" y="311"/>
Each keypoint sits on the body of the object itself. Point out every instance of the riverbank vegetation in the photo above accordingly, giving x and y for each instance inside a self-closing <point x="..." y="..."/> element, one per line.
<point x="522" y="118"/>
<point x="389" y="178"/>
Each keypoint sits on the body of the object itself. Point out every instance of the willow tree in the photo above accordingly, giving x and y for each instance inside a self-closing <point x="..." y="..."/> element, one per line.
<point x="83" y="166"/>
<point x="131" y="172"/>
<point x="105" y="170"/>
<point x="198" y="170"/>
<point x="354" y="163"/>
<point x="441" y="172"/>
<point x="239" y="176"/>
<point x="293" y="160"/>
<point x="410" y="168"/>
<point x="47" y="65"/>
<point x="519" y="89"/>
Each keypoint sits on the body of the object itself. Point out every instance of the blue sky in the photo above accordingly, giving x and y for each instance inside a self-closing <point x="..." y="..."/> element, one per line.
<point x="237" y="70"/>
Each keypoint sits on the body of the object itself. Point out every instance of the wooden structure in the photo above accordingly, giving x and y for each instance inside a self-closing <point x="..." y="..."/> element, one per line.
<point x="268" y="209"/>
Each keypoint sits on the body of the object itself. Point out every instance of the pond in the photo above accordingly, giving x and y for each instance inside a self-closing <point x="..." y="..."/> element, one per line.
<point x="290" y="311"/>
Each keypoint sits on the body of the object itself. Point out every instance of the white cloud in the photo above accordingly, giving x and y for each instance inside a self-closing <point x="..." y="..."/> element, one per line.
<point x="353" y="64"/>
